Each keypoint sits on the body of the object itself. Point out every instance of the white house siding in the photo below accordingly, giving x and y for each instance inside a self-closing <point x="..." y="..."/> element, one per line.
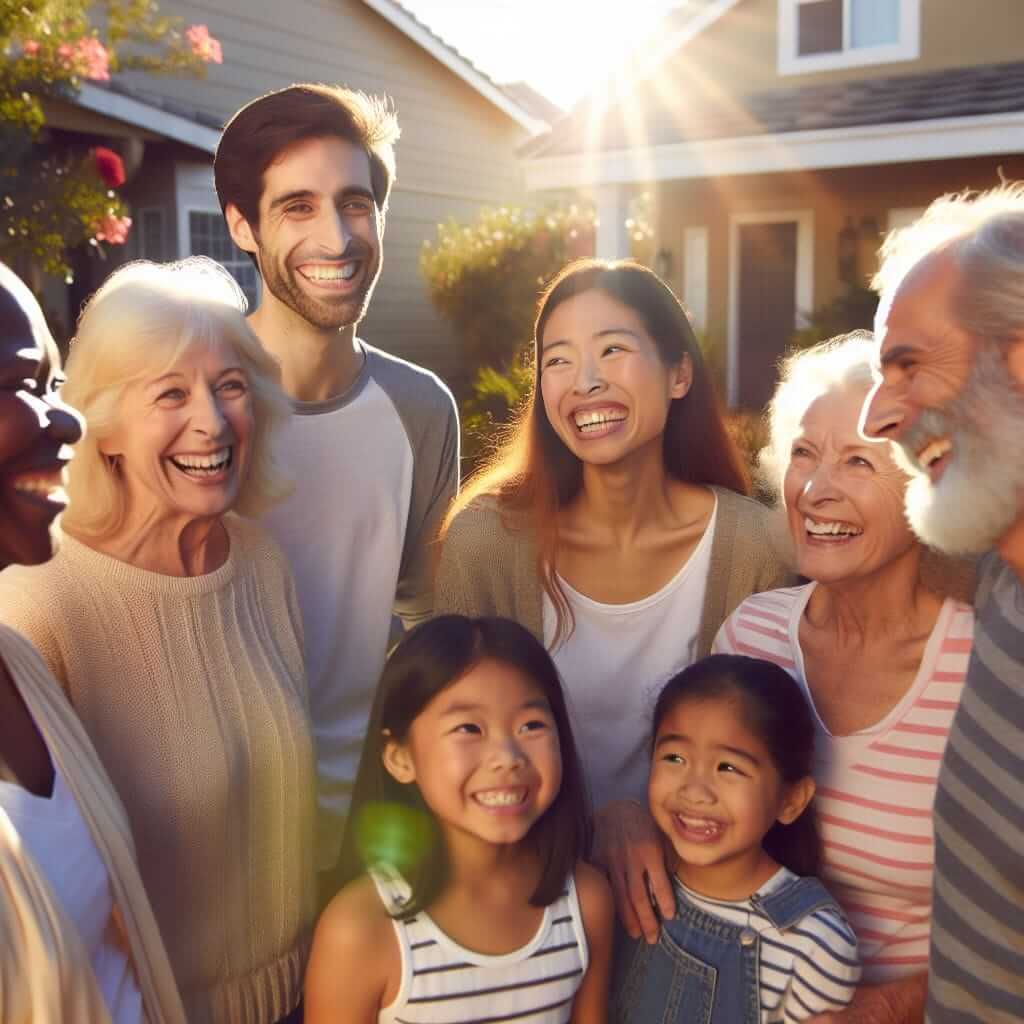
<point x="456" y="154"/>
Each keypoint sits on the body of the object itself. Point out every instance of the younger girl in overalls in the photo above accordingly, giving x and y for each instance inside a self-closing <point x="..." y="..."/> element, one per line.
<point x="470" y="900"/>
<point x="755" y="938"/>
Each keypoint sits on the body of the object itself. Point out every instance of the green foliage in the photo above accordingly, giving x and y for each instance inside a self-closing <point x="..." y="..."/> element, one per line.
<point x="484" y="278"/>
<point x="495" y="396"/>
<point x="53" y="194"/>
<point x="852" y="310"/>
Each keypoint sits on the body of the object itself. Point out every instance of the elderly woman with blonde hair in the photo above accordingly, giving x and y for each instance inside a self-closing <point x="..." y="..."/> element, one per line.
<point x="170" y="620"/>
<point x="880" y="654"/>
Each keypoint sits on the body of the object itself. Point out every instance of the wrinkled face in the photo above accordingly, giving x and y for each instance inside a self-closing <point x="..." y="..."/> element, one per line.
<point x="182" y="442"/>
<point x="843" y="495"/>
<point x="953" y="410"/>
<point x="36" y="428"/>
<point x="605" y="388"/>
<point x="485" y="755"/>
<point x="319" y="237"/>
<point x="714" y="791"/>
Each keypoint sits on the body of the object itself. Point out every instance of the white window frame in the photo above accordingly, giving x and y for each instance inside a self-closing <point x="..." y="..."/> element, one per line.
<point x="695" y="275"/>
<point x="186" y="248"/>
<point x="791" y="63"/>
<point x="803" y="284"/>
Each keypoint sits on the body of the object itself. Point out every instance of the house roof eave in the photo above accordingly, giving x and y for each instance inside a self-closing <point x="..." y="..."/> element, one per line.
<point x="858" y="146"/>
<point x="412" y="27"/>
<point x="147" y="117"/>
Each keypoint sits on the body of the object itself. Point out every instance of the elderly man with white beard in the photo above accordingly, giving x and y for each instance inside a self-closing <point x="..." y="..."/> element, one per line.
<point x="950" y="395"/>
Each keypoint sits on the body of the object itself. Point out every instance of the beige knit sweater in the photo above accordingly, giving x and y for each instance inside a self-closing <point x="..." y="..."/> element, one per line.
<point x="489" y="565"/>
<point x="194" y="694"/>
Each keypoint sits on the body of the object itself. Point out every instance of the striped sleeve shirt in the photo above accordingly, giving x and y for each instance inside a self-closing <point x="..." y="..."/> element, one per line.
<point x="876" y="786"/>
<point x="977" y="954"/>
<point x="805" y="970"/>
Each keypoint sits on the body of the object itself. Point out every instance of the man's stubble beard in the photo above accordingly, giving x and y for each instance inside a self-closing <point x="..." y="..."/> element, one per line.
<point x="978" y="497"/>
<point x="322" y="315"/>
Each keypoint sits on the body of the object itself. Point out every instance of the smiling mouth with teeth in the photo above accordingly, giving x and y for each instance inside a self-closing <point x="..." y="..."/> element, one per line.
<point x="501" y="797"/>
<point x="46" y="485"/>
<point x="703" y="828"/>
<point x="831" y="529"/>
<point x="590" y="420"/>
<point x="203" y="465"/>
<point x="330" y="272"/>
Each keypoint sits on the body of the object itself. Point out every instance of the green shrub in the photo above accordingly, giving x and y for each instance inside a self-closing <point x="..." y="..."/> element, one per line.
<point x="484" y="277"/>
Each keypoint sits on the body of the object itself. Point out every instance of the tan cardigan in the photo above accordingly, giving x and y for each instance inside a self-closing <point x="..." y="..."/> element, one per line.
<point x="489" y="566"/>
<point x="31" y="908"/>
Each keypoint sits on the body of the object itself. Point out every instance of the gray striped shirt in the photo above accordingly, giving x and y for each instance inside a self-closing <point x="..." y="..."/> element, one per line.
<point x="976" y="966"/>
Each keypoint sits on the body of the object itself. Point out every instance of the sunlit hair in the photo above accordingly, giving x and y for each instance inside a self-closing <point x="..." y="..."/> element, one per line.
<point x="263" y="129"/>
<point x="804" y="377"/>
<point x="986" y="230"/>
<point x="533" y="474"/>
<point x="389" y="821"/>
<point x="773" y="707"/>
<point x="139" y="324"/>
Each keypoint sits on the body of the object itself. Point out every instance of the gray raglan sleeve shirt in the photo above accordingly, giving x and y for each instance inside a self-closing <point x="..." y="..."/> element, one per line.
<point x="431" y="422"/>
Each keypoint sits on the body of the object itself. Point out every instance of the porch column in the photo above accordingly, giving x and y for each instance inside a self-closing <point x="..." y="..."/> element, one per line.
<point x="611" y="202"/>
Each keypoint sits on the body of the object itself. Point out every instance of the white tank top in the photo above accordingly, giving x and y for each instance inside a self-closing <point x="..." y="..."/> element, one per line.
<point x="57" y="837"/>
<point x="445" y="983"/>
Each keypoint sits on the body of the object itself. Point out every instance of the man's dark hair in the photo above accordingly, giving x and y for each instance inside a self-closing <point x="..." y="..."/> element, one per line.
<point x="255" y="137"/>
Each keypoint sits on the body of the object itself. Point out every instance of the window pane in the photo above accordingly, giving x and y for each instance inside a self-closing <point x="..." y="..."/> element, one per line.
<point x="209" y="236"/>
<point x="874" y="22"/>
<point x="819" y="27"/>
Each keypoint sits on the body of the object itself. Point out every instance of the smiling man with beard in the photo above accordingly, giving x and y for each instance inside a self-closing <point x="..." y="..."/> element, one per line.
<point x="303" y="176"/>
<point x="950" y="394"/>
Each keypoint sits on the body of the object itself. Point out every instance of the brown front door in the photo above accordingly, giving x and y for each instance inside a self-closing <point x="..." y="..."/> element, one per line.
<point x="766" y="307"/>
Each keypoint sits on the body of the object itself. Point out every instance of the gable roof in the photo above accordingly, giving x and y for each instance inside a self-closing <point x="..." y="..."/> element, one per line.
<point x="405" y="21"/>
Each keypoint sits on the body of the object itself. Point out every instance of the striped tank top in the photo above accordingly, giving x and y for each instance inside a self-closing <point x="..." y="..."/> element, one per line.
<point x="445" y="983"/>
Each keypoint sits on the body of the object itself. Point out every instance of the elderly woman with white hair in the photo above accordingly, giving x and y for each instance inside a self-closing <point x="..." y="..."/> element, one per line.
<point x="169" y="618"/>
<point x="882" y="658"/>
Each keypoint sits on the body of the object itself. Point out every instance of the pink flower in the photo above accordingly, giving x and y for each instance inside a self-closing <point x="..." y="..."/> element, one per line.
<point x="30" y="47"/>
<point x="204" y="46"/>
<point x="86" y="56"/>
<point x="93" y="55"/>
<point x="109" y="166"/>
<point x="113" y="229"/>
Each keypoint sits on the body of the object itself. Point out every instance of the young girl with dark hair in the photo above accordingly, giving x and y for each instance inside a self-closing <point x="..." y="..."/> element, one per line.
<point x="755" y="938"/>
<point x="467" y="897"/>
<point x="612" y="524"/>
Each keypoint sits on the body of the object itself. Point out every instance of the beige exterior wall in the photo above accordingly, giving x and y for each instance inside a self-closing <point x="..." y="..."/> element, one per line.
<point x="456" y="154"/>
<point x="831" y="196"/>
<point x="738" y="54"/>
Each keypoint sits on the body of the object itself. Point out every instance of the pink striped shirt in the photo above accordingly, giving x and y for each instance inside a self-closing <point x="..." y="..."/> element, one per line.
<point x="876" y="786"/>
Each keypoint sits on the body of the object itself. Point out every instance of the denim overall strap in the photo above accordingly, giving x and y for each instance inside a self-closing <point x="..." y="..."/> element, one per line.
<point x="702" y="970"/>
<point x="792" y="902"/>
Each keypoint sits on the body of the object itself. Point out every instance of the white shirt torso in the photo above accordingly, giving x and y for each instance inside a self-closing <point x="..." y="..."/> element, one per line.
<point x="614" y="665"/>
<point x="57" y="837"/>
